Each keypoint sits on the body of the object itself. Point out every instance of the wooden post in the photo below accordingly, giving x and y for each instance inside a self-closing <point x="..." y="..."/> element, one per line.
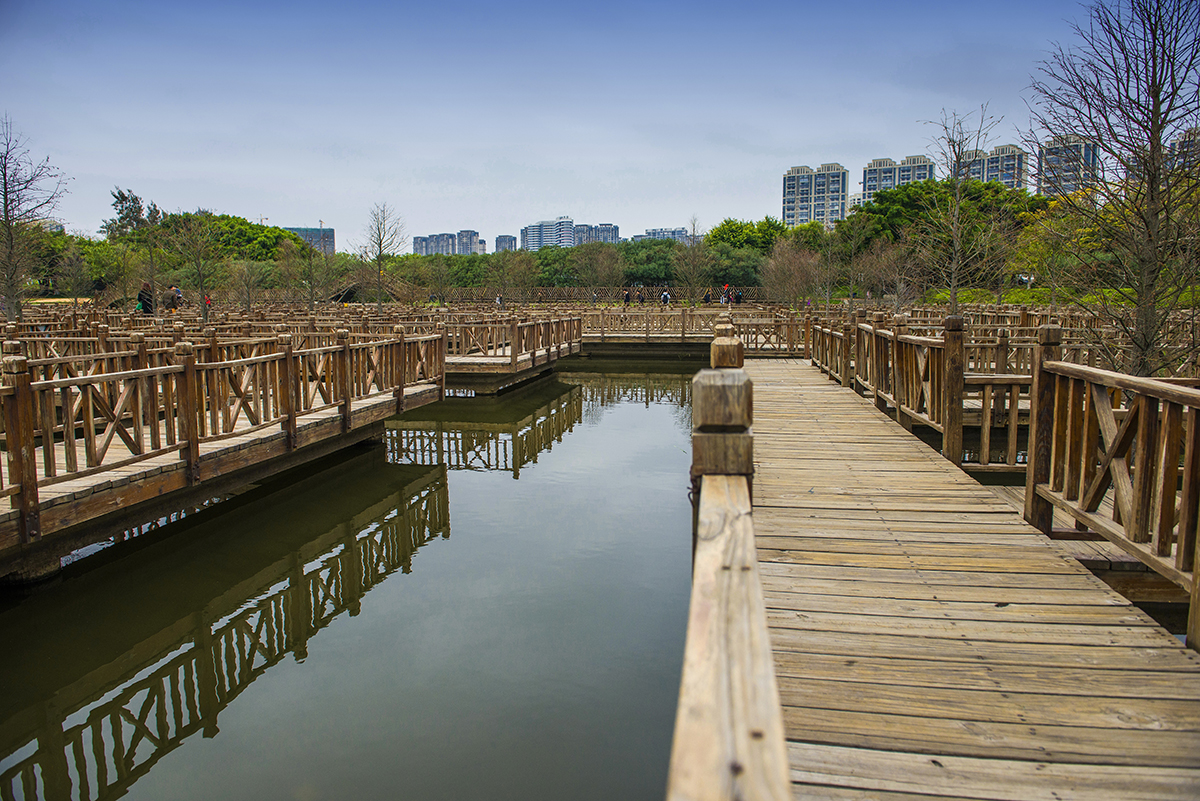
<point x="847" y="349"/>
<point x="729" y="736"/>
<point x="513" y="336"/>
<point x="342" y="376"/>
<point x="952" y="393"/>
<point x="22" y="455"/>
<point x="213" y="345"/>
<point x="722" y="410"/>
<point x="879" y="364"/>
<point x="1038" y="511"/>
<point x="287" y="389"/>
<point x="441" y="327"/>
<point x="899" y="329"/>
<point x="401" y="367"/>
<point x="808" y="327"/>
<point x="189" y="412"/>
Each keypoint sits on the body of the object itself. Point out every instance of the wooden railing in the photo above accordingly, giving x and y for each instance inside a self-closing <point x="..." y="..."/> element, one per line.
<point x="75" y="420"/>
<point x="513" y="338"/>
<point x="729" y="737"/>
<point x="1121" y="455"/>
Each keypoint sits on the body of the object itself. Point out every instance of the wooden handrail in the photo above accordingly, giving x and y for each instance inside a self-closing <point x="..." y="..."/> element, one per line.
<point x="729" y="738"/>
<point x="1134" y="477"/>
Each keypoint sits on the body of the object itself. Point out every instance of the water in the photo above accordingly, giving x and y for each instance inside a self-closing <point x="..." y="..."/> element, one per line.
<point x="490" y="604"/>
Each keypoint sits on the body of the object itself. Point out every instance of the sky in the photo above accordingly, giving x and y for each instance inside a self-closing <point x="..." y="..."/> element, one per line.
<point x="462" y="114"/>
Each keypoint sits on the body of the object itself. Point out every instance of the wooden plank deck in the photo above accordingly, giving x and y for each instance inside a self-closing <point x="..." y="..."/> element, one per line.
<point x="929" y="643"/>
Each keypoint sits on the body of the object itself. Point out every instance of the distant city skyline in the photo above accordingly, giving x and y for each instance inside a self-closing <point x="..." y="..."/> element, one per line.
<point x="296" y="117"/>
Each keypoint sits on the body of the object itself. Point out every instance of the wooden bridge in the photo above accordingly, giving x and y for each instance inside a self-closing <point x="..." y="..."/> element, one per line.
<point x="875" y="624"/>
<point x="97" y="434"/>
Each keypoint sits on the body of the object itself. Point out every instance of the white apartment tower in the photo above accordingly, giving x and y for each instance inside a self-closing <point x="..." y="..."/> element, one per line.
<point x="559" y="231"/>
<point x="883" y="174"/>
<point x="815" y="195"/>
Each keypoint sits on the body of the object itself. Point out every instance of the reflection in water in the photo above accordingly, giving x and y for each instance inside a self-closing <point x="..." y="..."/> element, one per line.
<point x="534" y="656"/>
<point x="471" y="434"/>
<point x="507" y="433"/>
<point x="94" y="737"/>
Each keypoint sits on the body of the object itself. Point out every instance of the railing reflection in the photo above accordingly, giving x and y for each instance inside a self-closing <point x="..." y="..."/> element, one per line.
<point x="98" y="746"/>
<point x="470" y="441"/>
<point x="509" y="432"/>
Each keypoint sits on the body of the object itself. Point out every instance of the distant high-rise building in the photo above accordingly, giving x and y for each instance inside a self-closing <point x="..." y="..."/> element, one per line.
<point x="319" y="239"/>
<point x="815" y="195"/>
<point x="1007" y="164"/>
<point x="883" y="174"/>
<point x="1185" y="150"/>
<point x="679" y="234"/>
<point x="481" y="247"/>
<point x="505" y="242"/>
<point x="604" y="232"/>
<point x="558" y="232"/>
<point x="468" y="242"/>
<point x="1067" y="164"/>
<point x="445" y="244"/>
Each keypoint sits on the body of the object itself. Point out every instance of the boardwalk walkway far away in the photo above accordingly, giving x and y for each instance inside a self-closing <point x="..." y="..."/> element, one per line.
<point x="929" y="643"/>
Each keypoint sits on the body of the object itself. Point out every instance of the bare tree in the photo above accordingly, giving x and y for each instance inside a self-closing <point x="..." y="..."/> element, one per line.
<point x="249" y="278"/>
<point x="383" y="238"/>
<point x="790" y="273"/>
<point x="72" y="275"/>
<point x="29" y="192"/>
<point x="692" y="263"/>
<point x="952" y="244"/>
<point x="435" y="275"/>
<point x="194" y="239"/>
<point x="1129" y="86"/>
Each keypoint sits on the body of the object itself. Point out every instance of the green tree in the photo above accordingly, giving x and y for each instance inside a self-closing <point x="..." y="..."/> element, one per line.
<point x="737" y="234"/>
<point x="139" y="227"/>
<point x="597" y="264"/>
<point x="648" y="261"/>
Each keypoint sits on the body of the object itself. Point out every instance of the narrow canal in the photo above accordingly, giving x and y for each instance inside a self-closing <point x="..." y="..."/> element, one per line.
<point x="491" y="604"/>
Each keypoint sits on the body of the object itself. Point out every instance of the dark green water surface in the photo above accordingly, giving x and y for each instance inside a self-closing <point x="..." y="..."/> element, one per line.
<point x="489" y="604"/>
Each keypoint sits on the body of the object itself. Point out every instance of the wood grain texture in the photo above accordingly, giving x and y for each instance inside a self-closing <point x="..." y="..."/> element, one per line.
<point x="729" y="729"/>
<point x="930" y="643"/>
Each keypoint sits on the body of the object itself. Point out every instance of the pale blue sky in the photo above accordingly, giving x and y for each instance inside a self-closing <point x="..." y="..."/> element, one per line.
<point x="465" y="114"/>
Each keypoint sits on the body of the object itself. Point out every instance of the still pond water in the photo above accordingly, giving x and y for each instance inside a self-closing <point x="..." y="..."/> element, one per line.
<point x="490" y="604"/>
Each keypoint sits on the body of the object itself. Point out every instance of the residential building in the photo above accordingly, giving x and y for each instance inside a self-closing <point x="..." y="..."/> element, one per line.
<point x="604" y="232"/>
<point x="1007" y="164"/>
<point x="1067" y="164"/>
<point x="679" y="234"/>
<point x="468" y="242"/>
<point x="853" y="202"/>
<point x="884" y="173"/>
<point x="319" y="239"/>
<point x="505" y="242"/>
<point x="558" y="232"/>
<point x="1185" y="150"/>
<point x="815" y="195"/>
<point x="445" y="244"/>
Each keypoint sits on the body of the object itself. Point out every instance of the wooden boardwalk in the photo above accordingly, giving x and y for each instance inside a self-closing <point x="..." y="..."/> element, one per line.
<point x="928" y="642"/>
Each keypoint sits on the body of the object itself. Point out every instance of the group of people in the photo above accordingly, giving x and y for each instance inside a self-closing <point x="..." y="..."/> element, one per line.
<point x="172" y="299"/>
<point x="728" y="295"/>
